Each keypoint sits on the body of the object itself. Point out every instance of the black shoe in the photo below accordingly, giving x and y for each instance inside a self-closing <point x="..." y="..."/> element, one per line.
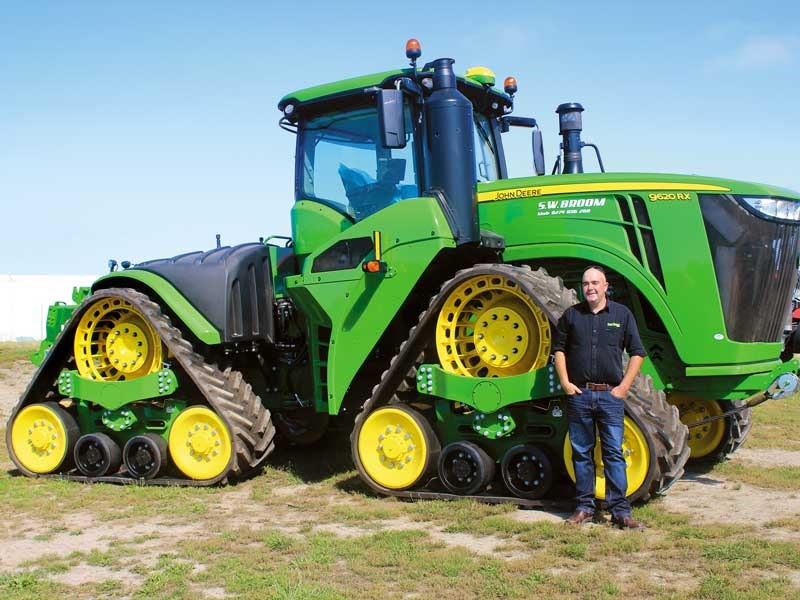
<point x="579" y="517"/>
<point x="628" y="522"/>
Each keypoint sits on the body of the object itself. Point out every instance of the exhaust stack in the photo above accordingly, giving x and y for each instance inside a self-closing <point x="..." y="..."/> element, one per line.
<point x="452" y="151"/>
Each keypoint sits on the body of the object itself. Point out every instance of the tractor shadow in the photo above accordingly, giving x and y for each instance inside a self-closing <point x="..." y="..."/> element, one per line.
<point x="326" y="460"/>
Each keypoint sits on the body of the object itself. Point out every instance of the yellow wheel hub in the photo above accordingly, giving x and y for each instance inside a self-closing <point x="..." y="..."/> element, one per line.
<point x="393" y="447"/>
<point x="635" y="451"/>
<point x="39" y="438"/>
<point x="113" y="342"/>
<point x="199" y="443"/>
<point x="489" y="327"/>
<point x="703" y="439"/>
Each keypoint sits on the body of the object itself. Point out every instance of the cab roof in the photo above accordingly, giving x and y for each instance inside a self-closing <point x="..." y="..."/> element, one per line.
<point x="358" y="85"/>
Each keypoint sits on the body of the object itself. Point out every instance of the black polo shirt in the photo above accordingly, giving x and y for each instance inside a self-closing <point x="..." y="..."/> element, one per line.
<point x="593" y="343"/>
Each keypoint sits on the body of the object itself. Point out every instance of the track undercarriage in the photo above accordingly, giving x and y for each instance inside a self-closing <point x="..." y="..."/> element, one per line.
<point x="123" y="397"/>
<point x="456" y="416"/>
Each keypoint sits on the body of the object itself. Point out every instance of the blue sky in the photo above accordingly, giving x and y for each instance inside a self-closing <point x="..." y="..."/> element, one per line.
<point x="136" y="130"/>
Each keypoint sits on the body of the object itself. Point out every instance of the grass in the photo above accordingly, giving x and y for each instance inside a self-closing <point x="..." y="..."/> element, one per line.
<point x="11" y="352"/>
<point x="776" y="425"/>
<point x="308" y="528"/>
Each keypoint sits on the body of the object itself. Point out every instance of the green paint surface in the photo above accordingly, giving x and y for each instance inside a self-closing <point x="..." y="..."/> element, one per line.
<point x="116" y="394"/>
<point x="185" y="311"/>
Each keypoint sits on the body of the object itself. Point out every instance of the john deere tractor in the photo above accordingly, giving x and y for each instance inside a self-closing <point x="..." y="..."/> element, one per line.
<point x="415" y="305"/>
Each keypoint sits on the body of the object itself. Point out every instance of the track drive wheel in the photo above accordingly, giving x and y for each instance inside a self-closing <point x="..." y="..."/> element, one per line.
<point x="114" y="342"/>
<point x="490" y="326"/>
<point x="714" y="441"/>
<point x="200" y="444"/>
<point x="654" y="444"/>
<point x="465" y="468"/>
<point x="96" y="455"/>
<point x="394" y="448"/>
<point x="41" y="439"/>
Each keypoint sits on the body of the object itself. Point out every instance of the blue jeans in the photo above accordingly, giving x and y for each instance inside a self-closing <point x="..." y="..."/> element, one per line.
<point x="584" y="412"/>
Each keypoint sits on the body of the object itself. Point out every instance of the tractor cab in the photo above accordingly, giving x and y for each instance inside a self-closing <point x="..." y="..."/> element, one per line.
<point x="367" y="143"/>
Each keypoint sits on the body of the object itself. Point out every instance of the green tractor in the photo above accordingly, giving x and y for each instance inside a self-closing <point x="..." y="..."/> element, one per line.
<point x="415" y="304"/>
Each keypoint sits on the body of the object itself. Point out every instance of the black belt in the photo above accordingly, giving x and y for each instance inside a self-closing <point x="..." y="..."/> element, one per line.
<point x="599" y="387"/>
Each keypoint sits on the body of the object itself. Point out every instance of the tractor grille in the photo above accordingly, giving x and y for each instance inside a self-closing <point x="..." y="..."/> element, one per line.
<point x="755" y="261"/>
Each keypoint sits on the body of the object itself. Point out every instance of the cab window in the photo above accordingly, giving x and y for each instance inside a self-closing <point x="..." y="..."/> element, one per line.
<point x="345" y="166"/>
<point x="485" y="152"/>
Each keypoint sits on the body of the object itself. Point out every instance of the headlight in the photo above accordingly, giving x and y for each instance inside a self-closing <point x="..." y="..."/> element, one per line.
<point x="774" y="208"/>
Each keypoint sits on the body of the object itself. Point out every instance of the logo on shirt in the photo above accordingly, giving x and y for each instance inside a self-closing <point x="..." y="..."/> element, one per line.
<point x="614" y="325"/>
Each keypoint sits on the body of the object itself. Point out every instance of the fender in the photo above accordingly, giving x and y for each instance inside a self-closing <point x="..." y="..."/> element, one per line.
<point x="197" y="323"/>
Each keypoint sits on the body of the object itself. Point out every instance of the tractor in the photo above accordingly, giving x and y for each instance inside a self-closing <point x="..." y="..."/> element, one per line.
<point x="414" y="307"/>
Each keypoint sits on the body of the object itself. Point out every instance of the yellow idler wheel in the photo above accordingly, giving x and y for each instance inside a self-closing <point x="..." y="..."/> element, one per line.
<point x="635" y="451"/>
<point x="42" y="437"/>
<point x="200" y="444"/>
<point x="704" y="440"/>
<point x="113" y="342"/>
<point x="489" y="327"/>
<point x="396" y="447"/>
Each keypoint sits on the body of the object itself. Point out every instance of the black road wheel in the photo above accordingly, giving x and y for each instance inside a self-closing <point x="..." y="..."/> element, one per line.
<point x="527" y="471"/>
<point x="145" y="456"/>
<point x="465" y="468"/>
<point x="96" y="455"/>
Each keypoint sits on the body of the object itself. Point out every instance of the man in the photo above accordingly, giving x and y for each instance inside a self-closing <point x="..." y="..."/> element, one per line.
<point x="588" y="356"/>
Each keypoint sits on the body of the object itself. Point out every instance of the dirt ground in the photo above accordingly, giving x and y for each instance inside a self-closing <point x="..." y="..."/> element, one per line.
<point x="706" y="498"/>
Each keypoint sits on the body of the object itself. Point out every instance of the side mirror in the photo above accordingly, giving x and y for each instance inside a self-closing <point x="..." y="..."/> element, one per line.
<point x="536" y="140"/>
<point x="391" y="119"/>
<point x="538" y="151"/>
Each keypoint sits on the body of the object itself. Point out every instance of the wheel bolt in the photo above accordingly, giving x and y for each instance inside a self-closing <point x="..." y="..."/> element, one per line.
<point x="493" y="356"/>
<point x="494" y="317"/>
<point x="483" y="348"/>
<point x="505" y="317"/>
<point x="485" y="323"/>
<point x="515" y="326"/>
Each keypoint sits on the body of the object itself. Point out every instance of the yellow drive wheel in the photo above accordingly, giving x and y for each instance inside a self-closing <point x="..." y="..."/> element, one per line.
<point x="113" y="342"/>
<point x="396" y="447"/>
<point x="200" y="444"/>
<point x="489" y="327"/>
<point x="42" y="437"/>
<point x="704" y="440"/>
<point x="635" y="451"/>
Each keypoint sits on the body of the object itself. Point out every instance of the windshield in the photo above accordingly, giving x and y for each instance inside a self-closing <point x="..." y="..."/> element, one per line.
<point x="485" y="153"/>
<point x="345" y="166"/>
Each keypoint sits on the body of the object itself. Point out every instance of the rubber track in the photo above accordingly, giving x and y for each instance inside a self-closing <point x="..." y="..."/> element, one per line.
<point x="399" y="380"/>
<point x="226" y="392"/>
<point x="661" y="422"/>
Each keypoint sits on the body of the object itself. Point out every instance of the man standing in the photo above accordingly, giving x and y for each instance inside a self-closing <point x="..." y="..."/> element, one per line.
<point x="588" y="357"/>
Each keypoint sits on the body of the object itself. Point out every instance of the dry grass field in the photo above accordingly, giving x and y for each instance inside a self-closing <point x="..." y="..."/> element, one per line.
<point x="307" y="528"/>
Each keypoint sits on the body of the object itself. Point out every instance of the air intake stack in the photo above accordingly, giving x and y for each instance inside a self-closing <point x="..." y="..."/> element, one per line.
<point x="570" y="126"/>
